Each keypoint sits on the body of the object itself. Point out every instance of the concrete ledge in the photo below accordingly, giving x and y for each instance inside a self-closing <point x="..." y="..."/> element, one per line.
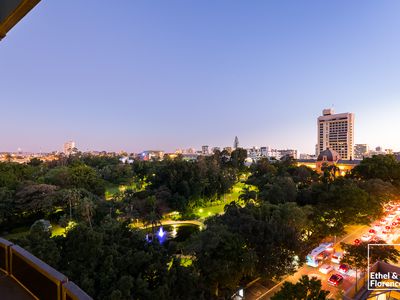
<point x="72" y="291"/>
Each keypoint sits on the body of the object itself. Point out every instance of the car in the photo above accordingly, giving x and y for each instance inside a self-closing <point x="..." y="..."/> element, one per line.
<point x="343" y="269"/>
<point x="365" y="238"/>
<point x="377" y="226"/>
<point x="357" y="242"/>
<point x="395" y="223"/>
<point x="388" y="218"/>
<point x="372" y="231"/>
<point x="388" y="227"/>
<point x="326" y="269"/>
<point x="336" y="257"/>
<point x="383" y="222"/>
<point x="398" y="219"/>
<point x="382" y="237"/>
<point x="335" y="279"/>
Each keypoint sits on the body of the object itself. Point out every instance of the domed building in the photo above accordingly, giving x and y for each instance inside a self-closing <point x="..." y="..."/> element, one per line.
<point x="329" y="157"/>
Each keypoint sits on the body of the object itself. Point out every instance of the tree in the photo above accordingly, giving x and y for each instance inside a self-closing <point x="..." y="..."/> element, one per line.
<point x="86" y="208"/>
<point x="282" y="190"/>
<point x="39" y="243"/>
<point x="304" y="289"/>
<point x="153" y="217"/>
<point x="35" y="162"/>
<point x="385" y="167"/>
<point x="6" y="204"/>
<point x="33" y="198"/>
<point x="247" y="195"/>
<point x="274" y="232"/>
<point x="223" y="259"/>
<point x="238" y="157"/>
<point x="82" y="176"/>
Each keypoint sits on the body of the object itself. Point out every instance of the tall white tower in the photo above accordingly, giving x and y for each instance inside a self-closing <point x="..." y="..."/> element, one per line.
<point x="336" y="132"/>
<point x="69" y="147"/>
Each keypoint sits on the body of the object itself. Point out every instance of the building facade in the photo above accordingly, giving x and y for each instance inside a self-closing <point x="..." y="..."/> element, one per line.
<point x="204" y="150"/>
<point x="151" y="155"/>
<point x="336" y="132"/>
<point x="360" y="151"/>
<point x="69" y="147"/>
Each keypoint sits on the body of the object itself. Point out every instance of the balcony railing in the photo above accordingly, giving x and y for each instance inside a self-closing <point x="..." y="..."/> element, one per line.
<point x="39" y="279"/>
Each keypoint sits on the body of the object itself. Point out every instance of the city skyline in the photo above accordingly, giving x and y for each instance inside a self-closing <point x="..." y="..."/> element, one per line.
<point x="199" y="147"/>
<point x="164" y="79"/>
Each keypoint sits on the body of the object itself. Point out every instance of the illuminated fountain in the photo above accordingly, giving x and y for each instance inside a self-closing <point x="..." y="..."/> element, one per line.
<point x="162" y="235"/>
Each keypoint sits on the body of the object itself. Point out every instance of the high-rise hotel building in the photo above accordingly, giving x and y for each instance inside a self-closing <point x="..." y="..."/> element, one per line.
<point x="336" y="132"/>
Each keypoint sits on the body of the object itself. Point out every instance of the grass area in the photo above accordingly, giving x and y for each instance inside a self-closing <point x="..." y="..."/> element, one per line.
<point x="111" y="190"/>
<point x="205" y="212"/>
<point x="186" y="261"/>
<point x="57" y="230"/>
<point x="217" y="207"/>
<point x="18" y="233"/>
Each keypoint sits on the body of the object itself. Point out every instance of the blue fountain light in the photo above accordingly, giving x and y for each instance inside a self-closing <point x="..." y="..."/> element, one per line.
<point x="161" y="232"/>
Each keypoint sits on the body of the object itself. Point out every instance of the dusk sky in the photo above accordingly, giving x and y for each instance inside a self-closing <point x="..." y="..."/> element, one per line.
<point x="137" y="75"/>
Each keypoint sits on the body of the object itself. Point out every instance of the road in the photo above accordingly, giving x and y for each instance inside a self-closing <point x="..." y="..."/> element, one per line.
<point x="259" y="292"/>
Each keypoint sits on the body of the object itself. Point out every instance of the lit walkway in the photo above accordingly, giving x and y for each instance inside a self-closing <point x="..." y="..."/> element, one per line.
<point x="11" y="290"/>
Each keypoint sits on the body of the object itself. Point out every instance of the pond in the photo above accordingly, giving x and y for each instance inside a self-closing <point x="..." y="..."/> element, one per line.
<point x="178" y="232"/>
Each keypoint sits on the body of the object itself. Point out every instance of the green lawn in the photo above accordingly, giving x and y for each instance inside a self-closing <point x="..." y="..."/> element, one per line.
<point x="18" y="233"/>
<point x="111" y="190"/>
<point x="218" y="208"/>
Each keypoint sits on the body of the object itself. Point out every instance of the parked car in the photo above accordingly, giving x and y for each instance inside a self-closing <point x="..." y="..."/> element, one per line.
<point x="343" y="269"/>
<point x="326" y="269"/>
<point x="335" y="279"/>
<point x="336" y="257"/>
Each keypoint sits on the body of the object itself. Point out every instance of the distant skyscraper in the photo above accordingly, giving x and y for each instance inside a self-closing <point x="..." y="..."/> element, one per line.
<point x="204" y="150"/>
<point x="236" y="143"/>
<point x="336" y="132"/>
<point x="69" y="147"/>
<point x="360" y="150"/>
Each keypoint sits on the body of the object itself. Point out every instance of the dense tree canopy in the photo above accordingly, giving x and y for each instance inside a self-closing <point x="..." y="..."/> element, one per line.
<point x="304" y="289"/>
<point x="283" y="211"/>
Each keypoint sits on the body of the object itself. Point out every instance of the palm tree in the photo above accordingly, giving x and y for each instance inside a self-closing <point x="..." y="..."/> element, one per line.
<point x="86" y="208"/>
<point x="152" y="218"/>
<point x="247" y="195"/>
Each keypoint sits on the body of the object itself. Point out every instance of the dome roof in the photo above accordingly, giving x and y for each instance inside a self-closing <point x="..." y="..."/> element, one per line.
<point x="328" y="155"/>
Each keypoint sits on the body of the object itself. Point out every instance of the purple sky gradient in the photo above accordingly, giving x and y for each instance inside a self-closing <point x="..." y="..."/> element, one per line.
<point x="138" y="75"/>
